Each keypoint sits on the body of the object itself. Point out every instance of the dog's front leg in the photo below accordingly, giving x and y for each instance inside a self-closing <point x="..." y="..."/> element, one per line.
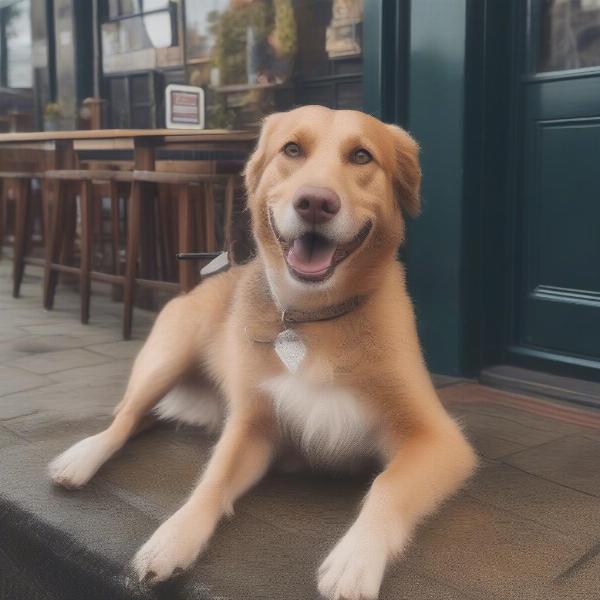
<point x="240" y="459"/>
<point x="428" y="466"/>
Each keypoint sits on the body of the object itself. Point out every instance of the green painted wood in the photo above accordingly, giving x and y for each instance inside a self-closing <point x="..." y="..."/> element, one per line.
<point x="437" y="120"/>
<point x="385" y="59"/>
<point x="557" y="305"/>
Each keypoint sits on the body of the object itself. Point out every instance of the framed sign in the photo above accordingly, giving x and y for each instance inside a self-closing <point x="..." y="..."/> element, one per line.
<point x="185" y="107"/>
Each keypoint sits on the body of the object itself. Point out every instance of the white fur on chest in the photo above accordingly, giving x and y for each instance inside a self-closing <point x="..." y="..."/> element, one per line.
<point x="328" y="423"/>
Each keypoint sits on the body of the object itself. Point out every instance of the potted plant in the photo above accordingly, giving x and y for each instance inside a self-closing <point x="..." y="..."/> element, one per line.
<point x="52" y="116"/>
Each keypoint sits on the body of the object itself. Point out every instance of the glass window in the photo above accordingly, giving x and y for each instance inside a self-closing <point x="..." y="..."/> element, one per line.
<point x="16" y="28"/>
<point x="257" y="56"/>
<point x="201" y="23"/>
<point x="139" y="25"/>
<point x="569" y="35"/>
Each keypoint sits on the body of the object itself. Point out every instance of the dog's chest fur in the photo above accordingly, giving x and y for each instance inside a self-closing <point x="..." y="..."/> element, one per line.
<point x="326" y="422"/>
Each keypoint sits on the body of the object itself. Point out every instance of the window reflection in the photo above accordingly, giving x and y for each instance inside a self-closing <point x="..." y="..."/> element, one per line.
<point x="137" y="25"/>
<point x="256" y="56"/>
<point x="569" y="34"/>
<point x="201" y="22"/>
<point x="16" y="25"/>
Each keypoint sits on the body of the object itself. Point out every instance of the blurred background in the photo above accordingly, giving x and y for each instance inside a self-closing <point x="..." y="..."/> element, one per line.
<point x="502" y="95"/>
<point x="98" y="195"/>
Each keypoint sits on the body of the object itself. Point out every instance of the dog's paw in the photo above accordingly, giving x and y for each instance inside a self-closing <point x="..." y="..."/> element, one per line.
<point x="354" y="568"/>
<point x="77" y="465"/>
<point x="173" y="547"/>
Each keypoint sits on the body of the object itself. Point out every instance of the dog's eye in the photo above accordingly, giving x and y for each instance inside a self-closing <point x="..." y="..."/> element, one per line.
<point x="292" y="150"/>
<point x="361" y="157"/>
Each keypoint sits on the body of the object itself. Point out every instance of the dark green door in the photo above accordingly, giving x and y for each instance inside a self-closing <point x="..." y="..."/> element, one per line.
<point x="557" y="308"/>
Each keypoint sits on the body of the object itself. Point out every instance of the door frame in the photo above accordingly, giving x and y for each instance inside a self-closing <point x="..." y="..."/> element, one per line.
<point x="501" y="293"/>
<point x="386" y="35"/>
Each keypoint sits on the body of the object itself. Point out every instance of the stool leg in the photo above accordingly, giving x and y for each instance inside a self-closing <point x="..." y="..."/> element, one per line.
<point x="186" y="267"/>
<point x="22" y="213"/>
<point x="2" y="214"/>
<point x="209" y="218"/>
<point x="115" y="232"/>
<point x="228" y="217"/>
<point x="70" y="225"/>
<point x="167" y="232"/>
<point x="55" y="237"/>
<point x="115" y="226"/>
<point x="133" y="239"/>
<point x="86" y="249"/>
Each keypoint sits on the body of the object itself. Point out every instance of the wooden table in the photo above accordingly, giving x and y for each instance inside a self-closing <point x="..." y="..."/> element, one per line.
<point x="143" y="142"/>
<point x="60" y="152"/>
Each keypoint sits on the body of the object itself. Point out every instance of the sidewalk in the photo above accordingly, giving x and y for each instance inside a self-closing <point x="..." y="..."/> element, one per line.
<point x="527" y="527"/>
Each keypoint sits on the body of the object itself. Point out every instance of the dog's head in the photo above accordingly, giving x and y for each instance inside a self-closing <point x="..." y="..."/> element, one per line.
<point x="327" y="190"/>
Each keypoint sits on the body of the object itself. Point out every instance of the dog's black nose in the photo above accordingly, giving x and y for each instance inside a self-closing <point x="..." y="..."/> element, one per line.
<point x="315" y="204"/>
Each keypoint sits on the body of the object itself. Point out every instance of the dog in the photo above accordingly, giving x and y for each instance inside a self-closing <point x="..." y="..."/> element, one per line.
<point x="310" y="346"/>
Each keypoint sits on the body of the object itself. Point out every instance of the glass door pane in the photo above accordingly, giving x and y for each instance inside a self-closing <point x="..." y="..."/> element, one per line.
<point x="569" y="34"/>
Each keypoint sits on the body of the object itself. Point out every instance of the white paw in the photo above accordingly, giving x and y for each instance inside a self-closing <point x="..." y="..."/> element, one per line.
<point x="354" y="568"/>
<point x="173" y="547"/>
<point x="77" y="465"/>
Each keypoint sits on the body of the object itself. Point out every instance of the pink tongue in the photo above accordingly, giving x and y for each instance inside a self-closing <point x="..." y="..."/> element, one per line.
<point x="311" y="255"/>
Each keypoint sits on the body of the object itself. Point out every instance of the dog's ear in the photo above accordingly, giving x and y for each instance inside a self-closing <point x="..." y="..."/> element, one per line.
<point x="407" y="170"/>
<point x="258" y="160"/>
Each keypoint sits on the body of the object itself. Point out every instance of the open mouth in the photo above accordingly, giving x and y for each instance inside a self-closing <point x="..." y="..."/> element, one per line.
<point x="313" y="257"/>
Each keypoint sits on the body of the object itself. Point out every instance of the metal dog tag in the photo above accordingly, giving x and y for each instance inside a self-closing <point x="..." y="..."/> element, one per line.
<point x="290" y="348"/>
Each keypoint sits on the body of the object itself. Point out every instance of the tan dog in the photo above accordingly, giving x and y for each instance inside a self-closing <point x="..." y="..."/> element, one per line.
<point x="311" y="346"/>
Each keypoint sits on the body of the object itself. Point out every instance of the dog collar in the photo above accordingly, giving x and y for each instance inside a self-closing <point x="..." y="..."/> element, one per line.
<point x="292" y="316"/>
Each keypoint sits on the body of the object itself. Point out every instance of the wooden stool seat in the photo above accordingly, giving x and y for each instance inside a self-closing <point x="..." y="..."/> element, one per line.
<point x="84" y="179"/>
<point x="89" y="175"/>
<point x="21" y="175"/>
<point x="178" y="178"/>
<point x="188" y="271"/>
<point x="139" y="180"/>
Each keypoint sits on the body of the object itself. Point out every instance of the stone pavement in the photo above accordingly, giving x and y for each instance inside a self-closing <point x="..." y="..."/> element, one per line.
<point x="526" y="527"/>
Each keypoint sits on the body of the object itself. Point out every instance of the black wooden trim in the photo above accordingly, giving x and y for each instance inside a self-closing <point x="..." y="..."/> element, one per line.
<point x="386" y="35"/>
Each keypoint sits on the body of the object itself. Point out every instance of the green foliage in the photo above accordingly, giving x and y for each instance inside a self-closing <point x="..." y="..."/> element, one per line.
<point x="285" y="27"/>
<point x="230" y="48"/>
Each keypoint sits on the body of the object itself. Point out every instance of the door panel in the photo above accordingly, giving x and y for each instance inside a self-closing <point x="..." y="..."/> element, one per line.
<point x="558" y="212"/>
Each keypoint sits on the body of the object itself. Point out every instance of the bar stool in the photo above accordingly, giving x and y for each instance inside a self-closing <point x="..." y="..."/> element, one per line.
<point x="23" y="197"/>
<point x="71" y="181"/>
<point x="187" y="239"/>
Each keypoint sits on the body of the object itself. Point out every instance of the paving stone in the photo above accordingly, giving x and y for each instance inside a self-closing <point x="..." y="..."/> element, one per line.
<point x="96" y="375"/>
<point x="46" y="425"/>
<point x="50" y="343"/>
<point x="490" y="446"/>
<point x="68" y="401"/>
<point x="13" y="380"/>
<point x="122" y="349"/>
<point x="525" y="519"/>
<point x="9" y="333"/>
<point x="554" y="506"/>
<point x="73" y="328"/>
<point x="573" y="461"/>
<point x="8" y="438"/>
<point x="8" y="352"/>
<point x="521" y="417"/>
<point x="52" y="362"/>
<point x="474" y="546"/>
<point x="505" y="429"/>
<point x="582" y="581"/>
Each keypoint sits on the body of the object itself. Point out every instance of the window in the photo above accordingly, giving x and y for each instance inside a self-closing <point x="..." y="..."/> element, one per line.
<point x="257" y="56"/>
<point x="569" y="36"/>
<point x="201" y="22"/>
<point x="138" y="25"/>
<point x="15" y="43"/>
